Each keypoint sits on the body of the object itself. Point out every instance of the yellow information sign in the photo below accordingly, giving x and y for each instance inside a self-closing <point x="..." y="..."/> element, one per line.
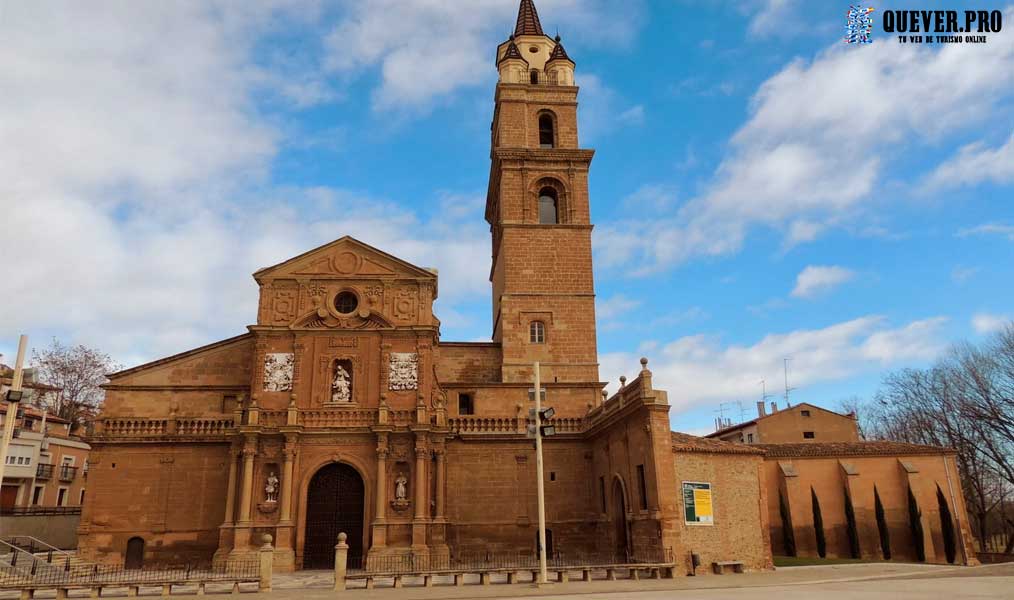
<point x="697" y="505"/>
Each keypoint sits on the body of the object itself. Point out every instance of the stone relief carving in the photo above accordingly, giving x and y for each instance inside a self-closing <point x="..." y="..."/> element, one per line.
<point x="404" y="371"/>
<point x="278" y="372"/>
<point x="341" y="385"/>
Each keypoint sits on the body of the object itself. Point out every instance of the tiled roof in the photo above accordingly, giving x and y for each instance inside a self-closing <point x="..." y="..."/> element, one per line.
<point x="528" y="20"/>
<point x="512" y="52"/>
<point x="839" y="449"/>
<point x="558" y="52"/>
<point x="684" y="442"/>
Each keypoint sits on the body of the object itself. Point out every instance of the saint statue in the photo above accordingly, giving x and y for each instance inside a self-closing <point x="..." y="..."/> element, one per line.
<point x="271" y="488"/>
<point x="401" y="487"/>
<point x="341" y="387"/>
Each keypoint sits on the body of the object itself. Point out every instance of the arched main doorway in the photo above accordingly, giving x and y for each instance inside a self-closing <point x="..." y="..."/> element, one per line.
<point x="134" y="557"/>
<point x="334" y="504"/>
<point x="619" y="519"/>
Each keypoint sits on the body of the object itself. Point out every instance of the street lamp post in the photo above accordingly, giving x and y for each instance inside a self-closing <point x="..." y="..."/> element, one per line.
<point x="13" y="399"/>
<point x="541" y="486"/>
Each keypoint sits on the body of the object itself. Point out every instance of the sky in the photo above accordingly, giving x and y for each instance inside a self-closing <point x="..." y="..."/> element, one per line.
<point x="761" y="191"/>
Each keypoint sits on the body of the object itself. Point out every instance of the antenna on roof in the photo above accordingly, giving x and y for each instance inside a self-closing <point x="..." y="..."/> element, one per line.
<point x="785" y="363"/>
<point x="764" y="392"/>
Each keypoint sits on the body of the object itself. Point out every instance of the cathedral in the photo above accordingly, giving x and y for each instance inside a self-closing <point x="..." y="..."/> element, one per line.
<point x="341" y="409"/>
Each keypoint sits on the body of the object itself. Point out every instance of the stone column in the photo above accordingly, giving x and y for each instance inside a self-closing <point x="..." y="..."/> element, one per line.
<point x="441" y="478"/>
<point x="380" y="494"/>
<point x="230" y="492"/>
<point x="246" y="498"/>
<point x="420" y="482"/>
<point x="285" y="514"/>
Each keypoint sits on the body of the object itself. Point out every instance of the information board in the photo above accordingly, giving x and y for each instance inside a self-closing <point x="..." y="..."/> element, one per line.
<point x="697" y="507"/>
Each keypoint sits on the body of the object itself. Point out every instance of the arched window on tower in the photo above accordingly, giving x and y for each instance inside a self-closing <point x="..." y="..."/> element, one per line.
<point x="548" y="208"/>
<point x="537" y="332"/>
<point x="546" y="137"/>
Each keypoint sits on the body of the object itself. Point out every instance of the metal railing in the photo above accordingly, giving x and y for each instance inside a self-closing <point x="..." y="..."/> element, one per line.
<point x="492" y="561"/>
<point x="67" y="473"/>
<point x="40" y="510"/>
<point x="20" y="569"/>
<point x="44" y="471"/>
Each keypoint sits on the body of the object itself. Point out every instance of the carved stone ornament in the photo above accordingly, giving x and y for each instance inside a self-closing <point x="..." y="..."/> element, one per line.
<point x="400" y="501"/>
<point x="404" y="371"/>
<point x="271" y="488"/>
<point x="341" y="385"/>
<point x="278" y="372"/>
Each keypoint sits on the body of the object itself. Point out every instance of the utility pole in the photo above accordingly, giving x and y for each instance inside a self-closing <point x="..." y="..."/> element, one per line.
<point x="13" y="401"/>
<point x="541" y="487"/>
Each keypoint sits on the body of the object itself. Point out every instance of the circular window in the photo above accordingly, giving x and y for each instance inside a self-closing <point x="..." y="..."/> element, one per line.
<point x="533" y="49"/>
<point x="346" y="303"/>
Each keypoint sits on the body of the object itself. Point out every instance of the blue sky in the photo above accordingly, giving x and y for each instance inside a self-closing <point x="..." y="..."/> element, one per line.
<point x="760" y="189"/>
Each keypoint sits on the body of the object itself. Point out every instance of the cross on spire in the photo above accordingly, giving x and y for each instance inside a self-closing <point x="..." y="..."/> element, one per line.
<point x="528" y="20"/>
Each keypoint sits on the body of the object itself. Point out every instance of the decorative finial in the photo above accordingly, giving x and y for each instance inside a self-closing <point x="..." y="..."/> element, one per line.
<point x="342" y="537"/>
<point x="644" y="363"/>
<point x="605" y="393"/>
<point x="623" y="381"/>
<point x="557" y="37"/>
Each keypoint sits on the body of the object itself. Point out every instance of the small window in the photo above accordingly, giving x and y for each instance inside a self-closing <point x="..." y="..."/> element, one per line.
<point x="346" y="303"/>
<point x="805" y="413"/>
<point x="749" y="438"/>
<point x="534" y="76"/>
<point x="546" y="137"/>
<point x="465" y="404"/>
<point x="644" y="487"/>
<point x="808" y="435"/>
<point x="552" y="475"/>
<point x="548" y="213"/>
<point x="537" y="332"/>
<point x="61" y="497"/>
<point x="37" y="495"/>
<point x="81" y="501"/>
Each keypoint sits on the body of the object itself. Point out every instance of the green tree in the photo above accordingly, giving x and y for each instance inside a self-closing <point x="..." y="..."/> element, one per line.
<point x="947" y="527"/>
<point x="915" y="523"/>
<point x="885" y="533"/>
<point x="788" y="533"/>
<point x="818" y="525"/>
<point x="853" y="531"/>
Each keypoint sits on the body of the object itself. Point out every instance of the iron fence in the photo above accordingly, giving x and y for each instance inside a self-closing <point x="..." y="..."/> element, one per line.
<point x="488" y="560"/>
<point x="20" y="569"/>
<point x="40" y="510"/>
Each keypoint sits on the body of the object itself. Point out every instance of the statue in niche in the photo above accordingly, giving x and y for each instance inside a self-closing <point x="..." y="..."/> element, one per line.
<point x="401" y="487"/>
<point x="341" y="385"/>
<point x="271" y="488"/>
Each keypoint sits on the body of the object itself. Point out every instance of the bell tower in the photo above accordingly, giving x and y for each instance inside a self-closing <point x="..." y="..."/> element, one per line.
<point x="537" y="208"/>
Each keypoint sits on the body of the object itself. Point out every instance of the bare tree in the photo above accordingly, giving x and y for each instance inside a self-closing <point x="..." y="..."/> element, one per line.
<point x="79" y="372"/>
<point x="964" y="402"/>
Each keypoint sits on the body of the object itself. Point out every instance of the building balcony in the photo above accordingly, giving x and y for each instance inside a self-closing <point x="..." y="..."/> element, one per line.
<point x="67" y="473"/>
<point x="44" y="471"/>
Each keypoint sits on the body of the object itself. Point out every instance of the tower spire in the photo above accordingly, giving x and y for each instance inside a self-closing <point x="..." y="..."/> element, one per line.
<point x="528" y="20"/>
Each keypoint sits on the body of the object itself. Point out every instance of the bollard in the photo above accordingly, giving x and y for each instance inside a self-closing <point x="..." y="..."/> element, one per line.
<point x="267" y="555"/>
<point x="341" y="556"/>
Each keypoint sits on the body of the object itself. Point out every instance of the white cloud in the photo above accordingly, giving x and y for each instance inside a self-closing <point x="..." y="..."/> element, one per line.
<point x="985" y="323"/>
<point x="772" y="17"/>
<point x="633" y="115"/>
<point x="427" y="50"/>
<point x="816" y="279"/>
<point x="1000" y="229"/>
<point x="962" y="274"/>
<point x="618" y="305"/>
<point x="817" y="142"/>
<point x="973" y="164"/>
<point x="135" y="179"/>
<point x="699" y="370"/>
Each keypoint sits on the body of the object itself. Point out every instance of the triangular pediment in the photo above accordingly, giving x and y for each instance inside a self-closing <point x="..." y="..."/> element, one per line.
<point x="345" y="258"/>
